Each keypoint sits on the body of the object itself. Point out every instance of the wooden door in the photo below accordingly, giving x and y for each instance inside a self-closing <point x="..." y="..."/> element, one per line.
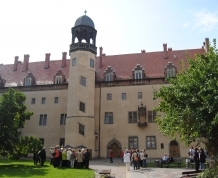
<point x="116" y="150"/>
<point x="174" y="149"/>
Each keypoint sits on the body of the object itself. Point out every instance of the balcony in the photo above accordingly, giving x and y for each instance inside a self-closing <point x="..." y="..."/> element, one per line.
<point x="84" y="47"/>
<point x="142" y="124"/>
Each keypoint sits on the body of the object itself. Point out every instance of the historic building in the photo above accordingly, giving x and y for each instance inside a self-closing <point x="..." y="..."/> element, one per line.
<point x="100" y="102"/>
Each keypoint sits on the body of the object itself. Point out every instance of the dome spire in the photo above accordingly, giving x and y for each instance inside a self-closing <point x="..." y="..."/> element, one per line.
<point x="85" y="12"/>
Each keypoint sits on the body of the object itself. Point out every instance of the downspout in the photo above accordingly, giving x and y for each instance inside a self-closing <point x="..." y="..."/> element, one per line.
<point x="99" y="121"/>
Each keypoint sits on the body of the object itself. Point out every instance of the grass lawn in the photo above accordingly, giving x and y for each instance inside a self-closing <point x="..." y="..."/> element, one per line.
<point x="26" y="168"/>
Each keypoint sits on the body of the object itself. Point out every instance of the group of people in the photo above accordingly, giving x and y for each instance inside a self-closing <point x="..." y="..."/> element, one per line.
<point x="39" y="157"/>
<point x="135" y="157"/>
<point x="198" y="156"/>
<point x="69" y="158"/>
<point x="166" y="160"/>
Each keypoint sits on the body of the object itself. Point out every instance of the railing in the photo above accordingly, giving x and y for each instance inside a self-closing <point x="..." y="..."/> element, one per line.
<point x="82" y="46"/>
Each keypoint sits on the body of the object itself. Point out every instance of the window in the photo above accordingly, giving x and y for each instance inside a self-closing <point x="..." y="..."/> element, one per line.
<point x="109" y="96"/>
<point x="139" y="95"/>
<point x="82" y="106"/>
<point x="73" y="61"/>
<point x="171" y="72"/>
<point x="108" y="118"/>
<point x="109" y="76"/>
<point x="133" y="117"/>
<point x="58" y="80"/>
<point x="123" y="96"/>
<point x="28" y="81"/>
<point x="33" y="101"/>
<point x="138" y="74"/>
<point x="42" y="140"/>
<point x="81" y="129"/>
<point x="43" y="119"/>
<point x="63" y="119"/>
<point x="162" y="146"/>
<point x="62" y="142"/>
<point x="151" y="116"/>
<point x="91" y="62"/>
<point x="151" y="142"/>
<point x="133" y="142"/>
<point x="56" y="100"/>
<point x="83" y="81"/>
<point x="43" y="100"/>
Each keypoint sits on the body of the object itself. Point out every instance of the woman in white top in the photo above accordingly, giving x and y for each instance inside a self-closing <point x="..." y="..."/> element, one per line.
<point x="126" y="159"/>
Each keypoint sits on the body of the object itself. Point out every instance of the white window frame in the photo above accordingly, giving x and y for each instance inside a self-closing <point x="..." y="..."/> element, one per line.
<point x="28" y="81"/>
<point x="83" y="81"/>
<point x="138" y="74"/>
<point x="74" y="62"/>
<point x="109" y="76"/>
<point x="58" y="80"/>
<point x="43" y="119"/>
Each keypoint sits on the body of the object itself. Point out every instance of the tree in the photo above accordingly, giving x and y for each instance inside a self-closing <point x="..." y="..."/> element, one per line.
<point x="190" y="103"/>
<point x="13" y="115"/>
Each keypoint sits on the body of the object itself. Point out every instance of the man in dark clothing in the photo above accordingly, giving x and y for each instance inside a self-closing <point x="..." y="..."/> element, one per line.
<point x="86" y="159"/>
<point x="42" y="155"/>
<point x="196" y="158"/>
<point x="36" y="158"/>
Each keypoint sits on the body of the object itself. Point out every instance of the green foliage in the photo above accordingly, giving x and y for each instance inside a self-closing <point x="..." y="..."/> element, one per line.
<point x="13" y="115"/>
<point x="190" y="102"/>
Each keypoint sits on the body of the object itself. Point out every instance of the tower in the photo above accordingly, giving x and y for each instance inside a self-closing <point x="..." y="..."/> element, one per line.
<point x="80" y="120"/>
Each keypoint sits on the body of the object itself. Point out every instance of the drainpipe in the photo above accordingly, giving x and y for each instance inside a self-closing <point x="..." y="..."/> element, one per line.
<point x="99" y="122"/>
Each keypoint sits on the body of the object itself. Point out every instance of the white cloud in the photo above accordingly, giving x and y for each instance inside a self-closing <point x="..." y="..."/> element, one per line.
<point x="186" y="24"/>
<point x="206" y="21"/>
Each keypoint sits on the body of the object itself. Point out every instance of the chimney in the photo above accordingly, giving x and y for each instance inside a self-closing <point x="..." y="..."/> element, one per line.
<point x="207" y="44"/>
<point x="165" y="50"/>
<point x="100" y="57"/>
<point x="47" y="60"/>
<point x="64" y="58"/>
<point x="15" y="63"/>
<point x="25" y="62"/>
<point x="143" y="51"/>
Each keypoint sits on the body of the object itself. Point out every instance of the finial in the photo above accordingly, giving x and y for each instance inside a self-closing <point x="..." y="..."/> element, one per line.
<point x="85" y="12"/>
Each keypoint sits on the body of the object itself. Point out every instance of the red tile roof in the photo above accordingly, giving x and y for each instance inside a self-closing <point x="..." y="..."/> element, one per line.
<point x="153" y="63"/>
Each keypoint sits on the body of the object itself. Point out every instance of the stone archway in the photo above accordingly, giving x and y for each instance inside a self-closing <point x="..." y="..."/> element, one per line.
<point x="115" y="146"/>
<point x="174" y="149"/>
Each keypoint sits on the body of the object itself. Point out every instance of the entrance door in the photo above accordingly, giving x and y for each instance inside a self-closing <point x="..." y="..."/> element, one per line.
<point x="116" y="150"/>
<point x="174" y="149"/>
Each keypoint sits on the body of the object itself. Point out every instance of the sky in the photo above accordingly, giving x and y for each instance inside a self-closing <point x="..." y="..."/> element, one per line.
<point x="123" y="26"/>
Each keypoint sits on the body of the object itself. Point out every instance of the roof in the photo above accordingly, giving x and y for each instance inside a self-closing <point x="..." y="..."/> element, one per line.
<point x="153" y="64"/>
<point x="84" y="20"/>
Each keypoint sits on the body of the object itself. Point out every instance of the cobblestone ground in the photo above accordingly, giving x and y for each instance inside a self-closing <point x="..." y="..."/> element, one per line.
<point x="118" y="170"/>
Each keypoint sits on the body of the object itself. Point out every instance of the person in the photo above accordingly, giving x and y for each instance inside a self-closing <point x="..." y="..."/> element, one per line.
<point x="135" y="159"/>
<point x="141" y="158"/>
<point x="202" y="159"/>
<point x="191" y="154"/>
<point x="121" y="155"/>
<point x="196" y="159"/>
<point x="111" y="155"/>
<point x="79" y="159"/>
<point x="86" y="159"/>
<point x="170" y="159"/>
<point x="52" y="157"/>
<point x="64" y="158"/>
<point x="72" y="158"/>
<point x="144" y="159"/>
<point x="138" y="155"/>
<point x="42" y="155"/>
<point x="56" y="156"/>
<point x="164" y="160"/>
<point x="36" y="158"/>
<point x="69" y="152"/>
<point x="126" y="159"/>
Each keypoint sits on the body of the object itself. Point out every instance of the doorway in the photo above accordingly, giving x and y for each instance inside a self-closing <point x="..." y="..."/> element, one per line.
<point x="174" y="149"/>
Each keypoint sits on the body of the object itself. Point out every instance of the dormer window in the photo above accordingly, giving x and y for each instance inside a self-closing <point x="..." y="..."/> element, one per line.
<point x="29" y="80"/>
<point x="59" y="78"/>
<point x="170" y="70"/>
<point x="138" y="72"/>
<point x="109" y="74"/>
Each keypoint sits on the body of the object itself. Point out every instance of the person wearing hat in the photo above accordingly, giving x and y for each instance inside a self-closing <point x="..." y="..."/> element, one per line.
<point x="126" y="159"/>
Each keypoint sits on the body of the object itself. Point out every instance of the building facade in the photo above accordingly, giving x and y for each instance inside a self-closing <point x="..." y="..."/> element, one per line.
<point x="99" y="102"/>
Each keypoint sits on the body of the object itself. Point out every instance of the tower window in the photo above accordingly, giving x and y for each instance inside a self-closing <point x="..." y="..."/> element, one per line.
<point x="73" y="61"/>
<point x="82" y="106"/>
<point x="63" y="119"/>
<point x="108" y="118"/>
<point x="92" y="63"/>
<point x="83" y="81"/>
<point x="109" y="96"/>
<point x="123" y="96"/>
<point x="139" y="95"/>
<point x="56" y="100"/>
<point x="81" y="129"/>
